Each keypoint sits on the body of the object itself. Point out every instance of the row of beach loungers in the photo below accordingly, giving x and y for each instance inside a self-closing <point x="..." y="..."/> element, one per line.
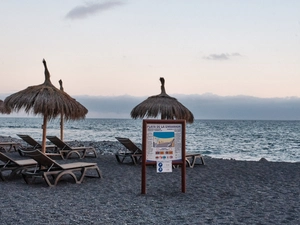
<point x="35" y="164"/>
<point x="58" y="147"/>
<point x="42" y="165"/>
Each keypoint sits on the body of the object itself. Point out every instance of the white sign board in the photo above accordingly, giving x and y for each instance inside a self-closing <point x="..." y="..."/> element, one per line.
<point x="164" y="142"/>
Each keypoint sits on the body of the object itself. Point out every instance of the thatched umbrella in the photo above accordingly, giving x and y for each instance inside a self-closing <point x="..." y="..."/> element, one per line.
<point x="164" y="105"/>
<point x="3" y="109"/>
<point x="46" y="100"/>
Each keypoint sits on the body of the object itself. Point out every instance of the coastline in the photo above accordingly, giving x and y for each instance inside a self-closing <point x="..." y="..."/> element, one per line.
<point x="221" y="192"/>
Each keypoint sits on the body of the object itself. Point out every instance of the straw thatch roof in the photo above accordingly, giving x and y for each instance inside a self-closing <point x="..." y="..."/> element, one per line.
<point x="162" y="105"/>
<point x="45" y="99"/>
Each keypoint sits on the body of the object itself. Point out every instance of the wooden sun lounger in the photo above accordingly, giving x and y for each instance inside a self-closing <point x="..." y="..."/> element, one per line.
<point x="51" y="150"/>
<point x="133" y="152"/>
<point x="15" y="166"/>
<point x="191" y="158"/>
<point x="67" y="150"/>
<point x="11" y="146"/>
<point x="33" y="144"/>
<point x="51" y="171"/>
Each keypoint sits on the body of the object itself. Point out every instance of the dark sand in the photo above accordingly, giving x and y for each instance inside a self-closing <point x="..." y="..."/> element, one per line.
<point x="221" y="192"/>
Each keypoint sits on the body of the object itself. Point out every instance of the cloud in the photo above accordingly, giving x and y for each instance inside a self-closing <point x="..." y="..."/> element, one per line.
<point x="206" y="106"/>
<point x="222" y="56"/>
<point x="109" y="106"/>
<point x="81" y="12"/>
<point x="242" y="107"/>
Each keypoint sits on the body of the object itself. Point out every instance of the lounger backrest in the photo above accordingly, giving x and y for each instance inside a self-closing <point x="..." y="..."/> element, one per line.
<point x="129" y="145"/>
<point x="42" y="159"/>
<point x="59" y="143"/>
<point x="29" y="140"/>
<point x="4" y="158"/>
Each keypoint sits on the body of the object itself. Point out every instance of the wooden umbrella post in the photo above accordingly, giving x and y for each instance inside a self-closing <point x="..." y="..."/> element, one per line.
<point x="44" y="134"/>
<point x="61" y="127"/>
<point x="61" y="115"/>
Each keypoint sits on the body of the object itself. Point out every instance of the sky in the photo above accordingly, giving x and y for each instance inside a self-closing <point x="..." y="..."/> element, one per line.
<point x="113" y="50"/>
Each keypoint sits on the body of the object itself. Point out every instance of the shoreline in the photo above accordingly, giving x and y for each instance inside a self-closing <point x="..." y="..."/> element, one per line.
<point x="112" y="147"/>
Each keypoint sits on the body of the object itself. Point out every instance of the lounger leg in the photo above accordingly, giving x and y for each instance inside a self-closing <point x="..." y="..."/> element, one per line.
<point x="195" y="159"/>
<point x="26" y="179"/>
<point x="193" y="162"/>
<point x="47" y="180"/>
<point x="56" y="177"/>
<point x="71" y="152"/>
<point x="16" y="172"/>
<point x="123" y="158"/>
<point x="202" y="160"/>
<point x="133" y="160"/>
<point x="21" y="153"/>
<point x="30" y="177"/>
<point x="85" y="169"/>
<point x="1" y="176"/>
<point x="118" y="158"/>
<point x="188" y="162"/>
<point x="97" y="170"/>
<point x="83" y="154"/>
<point x="69" y="172"/>
<point x="138" y="159"/>
<point x="94" y="152"/>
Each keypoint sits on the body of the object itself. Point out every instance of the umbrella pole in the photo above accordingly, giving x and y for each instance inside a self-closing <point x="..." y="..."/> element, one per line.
<point x="44" y="135"/>
<point x="61" y="127"/>
<point x="61" y="114"/>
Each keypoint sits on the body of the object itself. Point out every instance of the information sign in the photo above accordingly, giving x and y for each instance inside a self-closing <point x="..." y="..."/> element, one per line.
<point x="163" y="145"/>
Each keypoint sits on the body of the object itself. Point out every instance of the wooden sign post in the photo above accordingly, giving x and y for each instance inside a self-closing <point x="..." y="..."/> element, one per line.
<point x="163" y="142"/>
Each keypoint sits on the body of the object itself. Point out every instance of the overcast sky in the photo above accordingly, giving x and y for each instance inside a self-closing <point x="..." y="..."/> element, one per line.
<point x="116" y="48"/>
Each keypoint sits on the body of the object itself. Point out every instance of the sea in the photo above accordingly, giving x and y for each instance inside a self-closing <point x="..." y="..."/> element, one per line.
<point x="251" y="140"/>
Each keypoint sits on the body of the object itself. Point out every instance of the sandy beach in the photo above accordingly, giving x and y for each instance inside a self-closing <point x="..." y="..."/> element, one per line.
<point x="221" y="192"/>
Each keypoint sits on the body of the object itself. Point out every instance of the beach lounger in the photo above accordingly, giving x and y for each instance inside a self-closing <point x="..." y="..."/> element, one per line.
<point x="10" y="145"/>
<point x="32" y="143"/>
<point x="14" y="165"/>
<point x="51" y="150"/>
<point x="132" y="151"/>
<point x="191" y="159"/>
<point x="51" y="171"/>
<point x="67" y="150"/>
